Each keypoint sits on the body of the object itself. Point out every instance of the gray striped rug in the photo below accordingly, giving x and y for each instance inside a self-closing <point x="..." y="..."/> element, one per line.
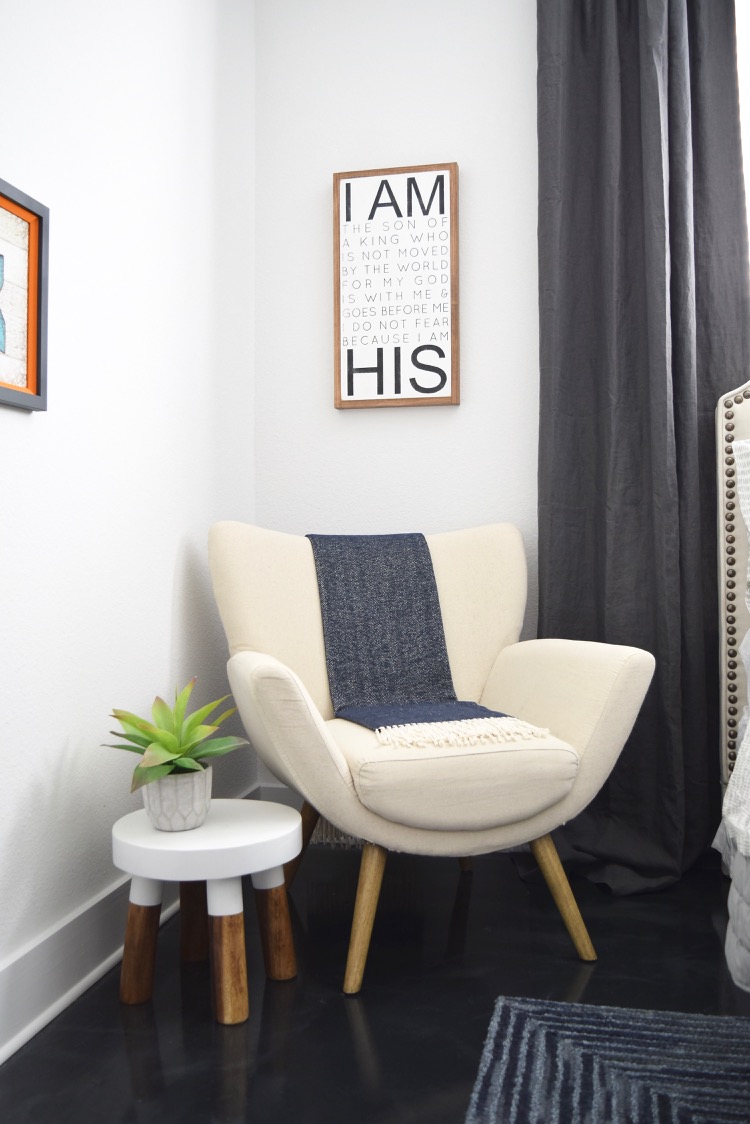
<point x="567" y="1063"/>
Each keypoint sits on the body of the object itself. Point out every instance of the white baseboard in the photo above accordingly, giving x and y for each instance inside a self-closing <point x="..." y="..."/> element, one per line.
<point x="49" y="973"/>
<point x="45" y="977"/>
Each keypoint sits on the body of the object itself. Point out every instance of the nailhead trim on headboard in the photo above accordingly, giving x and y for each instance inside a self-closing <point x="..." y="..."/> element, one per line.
<point x="733" y="687"/>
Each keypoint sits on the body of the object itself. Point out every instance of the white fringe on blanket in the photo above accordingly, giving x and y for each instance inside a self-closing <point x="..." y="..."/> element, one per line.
<point x="462" y="732"/>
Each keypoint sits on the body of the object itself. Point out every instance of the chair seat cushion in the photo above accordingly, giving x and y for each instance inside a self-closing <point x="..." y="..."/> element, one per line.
<point x="445" y="788"/>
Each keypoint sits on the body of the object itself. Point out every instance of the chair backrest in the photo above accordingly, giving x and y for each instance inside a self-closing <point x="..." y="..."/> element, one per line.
<point x="267" y="594"/>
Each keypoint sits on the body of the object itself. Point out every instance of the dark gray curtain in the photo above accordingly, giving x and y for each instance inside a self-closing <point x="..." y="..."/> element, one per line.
<point x="643" y="272"/>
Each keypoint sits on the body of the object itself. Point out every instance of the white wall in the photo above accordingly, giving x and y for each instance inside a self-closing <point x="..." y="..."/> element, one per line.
<point x="133" y="124"/>
<point x="138" y="132"/>
<point x="345" y="85"/>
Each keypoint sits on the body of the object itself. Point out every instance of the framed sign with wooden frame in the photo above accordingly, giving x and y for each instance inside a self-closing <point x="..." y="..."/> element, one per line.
<point x="24" y="256"/>
<point x="396" y="338"/>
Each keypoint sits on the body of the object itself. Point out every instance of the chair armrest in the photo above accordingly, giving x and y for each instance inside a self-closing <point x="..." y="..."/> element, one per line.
<point x="286" y="728"/>
<point x="586" y="693"/>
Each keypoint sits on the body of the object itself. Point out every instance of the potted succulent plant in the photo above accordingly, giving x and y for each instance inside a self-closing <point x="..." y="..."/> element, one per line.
<point x="173" y="747"/>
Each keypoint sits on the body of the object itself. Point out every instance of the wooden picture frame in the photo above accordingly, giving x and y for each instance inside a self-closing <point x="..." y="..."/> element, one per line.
<point x="396" y="324"/>
<point x="24" y="259"/>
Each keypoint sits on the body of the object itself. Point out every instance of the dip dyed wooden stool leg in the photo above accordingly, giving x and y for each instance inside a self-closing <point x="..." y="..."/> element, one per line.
<point x="238" y="837"/>
<point x="141" y="933"/>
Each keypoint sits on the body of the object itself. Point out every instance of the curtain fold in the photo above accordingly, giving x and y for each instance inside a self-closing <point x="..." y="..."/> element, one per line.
<point x="644" y="323"/>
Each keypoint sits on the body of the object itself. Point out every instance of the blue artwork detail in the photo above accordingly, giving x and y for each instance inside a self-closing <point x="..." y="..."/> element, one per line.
<point x="2" y="318"/>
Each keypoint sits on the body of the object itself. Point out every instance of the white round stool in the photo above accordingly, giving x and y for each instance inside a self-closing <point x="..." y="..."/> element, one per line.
<point x="238" y="837"/>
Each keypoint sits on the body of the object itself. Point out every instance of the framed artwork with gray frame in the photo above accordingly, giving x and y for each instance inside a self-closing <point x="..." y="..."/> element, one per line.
<point x="396" y="338"/>
<point x="24" y="259"/>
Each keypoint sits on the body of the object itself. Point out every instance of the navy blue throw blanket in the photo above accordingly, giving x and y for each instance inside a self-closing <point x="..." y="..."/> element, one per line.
<point x="384" y="640"/>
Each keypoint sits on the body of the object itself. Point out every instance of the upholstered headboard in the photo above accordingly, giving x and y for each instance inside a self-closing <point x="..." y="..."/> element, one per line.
<point x="733" y="478"/>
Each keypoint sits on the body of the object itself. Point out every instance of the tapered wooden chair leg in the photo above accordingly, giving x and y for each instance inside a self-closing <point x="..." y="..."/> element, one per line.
<point x="139" y="955"/>
<point x="546" y="855"/>
<point x="276" y="939"/>
<point x="193" y="922"/>
<point x="371" y="870"/>
<point x="310" y="817"/>
<point x="229" y="969"/>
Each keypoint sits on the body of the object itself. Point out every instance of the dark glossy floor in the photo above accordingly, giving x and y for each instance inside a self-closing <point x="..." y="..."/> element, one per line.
<point x="407" y="1049"/>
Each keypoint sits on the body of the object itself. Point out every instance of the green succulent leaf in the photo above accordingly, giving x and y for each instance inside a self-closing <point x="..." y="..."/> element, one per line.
<point x="139" y="741"/>
<point x="174" y="740"/>
<point x="144" y="727"/>
<point x="197" y="717"/>
<point x="126" y="718"/>
<point x="123" y="745"/>
<point x="163" y="716"/>
<point x="130" y="732"/>
<point x="223" y="717"/>
<point x="180" y="705"/>
<point x="188" y="765"/>
<point x="216" y="747"/>
<point x="198" y="736"/>
<point x="143" y="776"/>
<point x="163" y="737"/>
<point x="156" y="754"/>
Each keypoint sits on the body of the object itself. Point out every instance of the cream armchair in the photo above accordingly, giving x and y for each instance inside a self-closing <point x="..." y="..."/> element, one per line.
<point x="436" y="801"/>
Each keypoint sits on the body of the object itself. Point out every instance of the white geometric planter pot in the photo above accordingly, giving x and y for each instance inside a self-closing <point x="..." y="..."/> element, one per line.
<point x="179" y="801"/>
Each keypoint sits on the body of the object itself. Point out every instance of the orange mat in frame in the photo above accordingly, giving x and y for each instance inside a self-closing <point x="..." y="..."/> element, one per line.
<point x="32" y="395"/>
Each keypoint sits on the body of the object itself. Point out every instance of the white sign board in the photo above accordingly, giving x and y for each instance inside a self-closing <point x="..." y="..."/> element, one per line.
<point x="396" y="287"/>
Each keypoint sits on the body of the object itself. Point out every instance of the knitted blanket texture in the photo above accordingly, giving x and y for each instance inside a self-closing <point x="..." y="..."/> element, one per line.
<point x="386" y="655"/>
